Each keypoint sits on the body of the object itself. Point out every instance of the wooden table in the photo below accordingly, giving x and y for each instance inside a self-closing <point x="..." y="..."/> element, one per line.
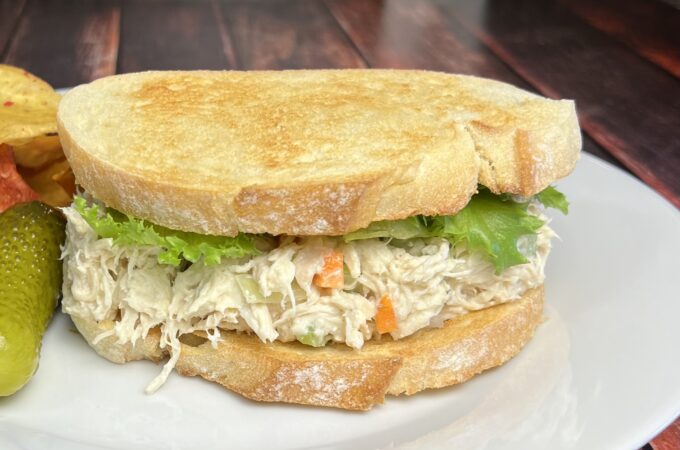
<point x="620" y="59"/>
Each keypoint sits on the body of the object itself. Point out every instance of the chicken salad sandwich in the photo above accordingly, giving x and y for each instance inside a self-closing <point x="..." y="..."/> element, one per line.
<point x="314" y="237"/>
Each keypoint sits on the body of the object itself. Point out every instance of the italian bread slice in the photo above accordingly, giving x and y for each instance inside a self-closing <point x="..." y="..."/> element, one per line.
<point x="308" y="152"/>
<point x="336" y="375"/>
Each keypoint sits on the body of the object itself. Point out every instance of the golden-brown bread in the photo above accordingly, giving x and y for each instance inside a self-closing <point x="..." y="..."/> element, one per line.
<point x="317" y="152"/>
<point x="336" y="375"/>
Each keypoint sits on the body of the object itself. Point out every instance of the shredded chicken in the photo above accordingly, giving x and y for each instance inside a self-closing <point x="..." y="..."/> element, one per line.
<point x="428" y="280"/>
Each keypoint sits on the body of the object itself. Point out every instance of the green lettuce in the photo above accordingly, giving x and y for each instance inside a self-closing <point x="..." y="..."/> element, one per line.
<point x="313" y="339"/>
<point x="175" y="245"/>
<point x="409" y="228"/>
<point x="492" y="226"/>
<point x="489" y="224"/>
<point x="552" y="198"/>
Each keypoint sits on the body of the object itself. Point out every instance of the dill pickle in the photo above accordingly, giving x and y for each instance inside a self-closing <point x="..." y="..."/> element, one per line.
<point x="30" y="282"/>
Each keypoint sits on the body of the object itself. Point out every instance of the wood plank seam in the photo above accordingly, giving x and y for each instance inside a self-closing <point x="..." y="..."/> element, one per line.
<point x="170" y="35"/>
<point x="226" y="37"/>
<point x="346" y="34"/>
<point x="292" y="35"/>
<point x="12" y="34"/>
<point x="100" y="55"/>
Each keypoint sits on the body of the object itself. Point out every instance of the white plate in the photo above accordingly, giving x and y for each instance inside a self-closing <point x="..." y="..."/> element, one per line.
<point x="602" y="371"/>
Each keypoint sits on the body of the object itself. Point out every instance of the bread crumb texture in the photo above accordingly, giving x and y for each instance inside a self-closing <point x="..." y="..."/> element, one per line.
<point x="336" y="375"/>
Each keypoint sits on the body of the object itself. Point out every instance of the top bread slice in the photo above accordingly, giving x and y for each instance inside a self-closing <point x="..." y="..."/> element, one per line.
<point x="313" y="152"/>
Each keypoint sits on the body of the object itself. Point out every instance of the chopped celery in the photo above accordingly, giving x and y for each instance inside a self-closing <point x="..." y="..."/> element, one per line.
<point x="252" y="293"/>
<point x="349" y="279"/>
<point x="313" y="339"/>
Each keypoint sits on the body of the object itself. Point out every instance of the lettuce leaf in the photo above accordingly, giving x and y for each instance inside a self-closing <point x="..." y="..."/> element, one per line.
<point x="492" y="226"/>
<point x="409" y="228"/>
<point x="552" y="198"/>
<point x="489" y="224"/>
<point x="176" y="245"/>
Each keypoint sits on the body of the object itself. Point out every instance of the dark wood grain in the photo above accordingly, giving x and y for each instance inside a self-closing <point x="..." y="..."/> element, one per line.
<point x="171" y="34"/>
<point x="66" y="42"/>
<point x="288" y="35"/>
<point x="668" y="439"/>
<point x="225" y="36"/>
<point x="10" y="11"/>
<point x="630" y="107"/>
<point x="652" y="28"/>
<point x="415" y="34"/>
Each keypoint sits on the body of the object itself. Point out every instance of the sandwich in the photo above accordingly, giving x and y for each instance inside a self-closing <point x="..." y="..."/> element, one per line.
<point x="315" y="237"/>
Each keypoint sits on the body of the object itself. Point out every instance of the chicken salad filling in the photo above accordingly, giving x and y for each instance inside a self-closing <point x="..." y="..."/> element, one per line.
<point x="315" y="290"/>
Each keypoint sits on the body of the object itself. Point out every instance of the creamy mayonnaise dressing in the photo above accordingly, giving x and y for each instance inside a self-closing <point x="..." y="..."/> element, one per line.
<point x="428" y="280"/>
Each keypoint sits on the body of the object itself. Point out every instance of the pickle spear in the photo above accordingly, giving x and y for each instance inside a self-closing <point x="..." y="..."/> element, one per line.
<point x="30" y="284"/>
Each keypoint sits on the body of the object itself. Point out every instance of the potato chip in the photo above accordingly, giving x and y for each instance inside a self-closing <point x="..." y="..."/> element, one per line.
<point x="28" y="106"/>
<point x="66" y="180"/>
<point x="43" y="182"/>
<point x="37" y="152"/>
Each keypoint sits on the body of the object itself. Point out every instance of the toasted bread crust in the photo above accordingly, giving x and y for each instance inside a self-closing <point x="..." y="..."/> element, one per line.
<point x="308" y="152"/>
<point x="341" y="377"/>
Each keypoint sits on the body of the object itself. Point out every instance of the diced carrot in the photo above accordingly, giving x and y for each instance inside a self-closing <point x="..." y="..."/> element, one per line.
<point x="385" y="318"/>
<point x="332" y="274"/>
<point x="325" y="292"/>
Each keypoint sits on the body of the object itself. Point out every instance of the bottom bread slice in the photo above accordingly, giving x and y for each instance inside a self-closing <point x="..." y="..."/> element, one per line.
<point x="337" y="375"/>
